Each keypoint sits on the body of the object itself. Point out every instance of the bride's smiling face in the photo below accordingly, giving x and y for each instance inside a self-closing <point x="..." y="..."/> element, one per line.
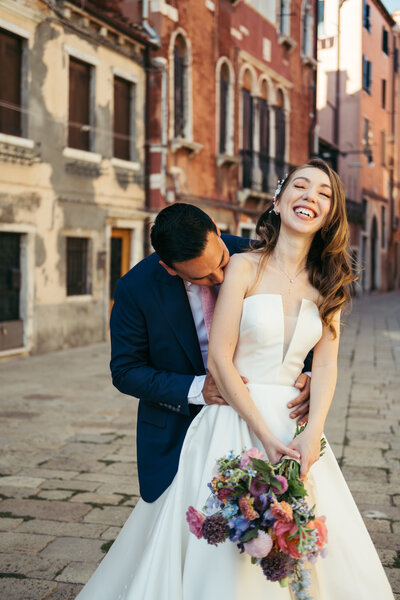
<point x="305" y="202"/>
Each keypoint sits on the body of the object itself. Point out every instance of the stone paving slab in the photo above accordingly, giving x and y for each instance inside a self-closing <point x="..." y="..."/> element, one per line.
<point x="68" y="473"/>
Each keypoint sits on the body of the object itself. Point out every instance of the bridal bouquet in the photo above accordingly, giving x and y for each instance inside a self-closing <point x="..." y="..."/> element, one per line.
<point x="262" y="508"/>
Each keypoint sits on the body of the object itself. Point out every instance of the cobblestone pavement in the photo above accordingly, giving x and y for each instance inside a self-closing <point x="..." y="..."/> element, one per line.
<point x="67" y="454"/>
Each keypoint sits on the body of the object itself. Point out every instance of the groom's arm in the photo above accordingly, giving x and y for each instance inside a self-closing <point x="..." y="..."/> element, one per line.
<point x="131" y="370"/>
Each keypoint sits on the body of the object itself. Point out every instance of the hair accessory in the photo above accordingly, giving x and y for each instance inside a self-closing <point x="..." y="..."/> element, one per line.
<point x="277" y="192"/>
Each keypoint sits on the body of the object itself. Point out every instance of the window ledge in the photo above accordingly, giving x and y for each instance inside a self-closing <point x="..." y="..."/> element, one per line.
<point x="14" y="140"/>
<point x="245" y="193"/>
<point x="126" y="165"/>
<point x="79" y="298"/>
<point x="287" y="41"/>
<point x="310" y="61"/>
<point x="226" y="159"/>
<point x="183" y="143"/>
<point x="82" y="155"/>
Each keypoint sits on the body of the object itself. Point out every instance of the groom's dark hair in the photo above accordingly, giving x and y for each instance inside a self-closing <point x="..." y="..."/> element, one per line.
<point x="180" y="233"/>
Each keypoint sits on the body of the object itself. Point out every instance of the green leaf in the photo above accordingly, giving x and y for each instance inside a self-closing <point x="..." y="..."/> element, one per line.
<point x="249" y="535"/>
<point x="263" y="467"/>
<point x="296" y="488"/>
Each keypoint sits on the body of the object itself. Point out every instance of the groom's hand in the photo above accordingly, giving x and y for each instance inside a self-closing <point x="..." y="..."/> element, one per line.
<point x="301" y="403"/>
<point x="211" y="393"/>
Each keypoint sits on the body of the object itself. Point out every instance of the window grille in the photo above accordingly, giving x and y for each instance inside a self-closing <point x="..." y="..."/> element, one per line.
<point x="77" y="266"/>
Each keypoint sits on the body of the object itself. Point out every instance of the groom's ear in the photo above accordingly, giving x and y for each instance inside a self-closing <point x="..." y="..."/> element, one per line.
<point x="217" y="228"/>
<point x="169" y="270"/>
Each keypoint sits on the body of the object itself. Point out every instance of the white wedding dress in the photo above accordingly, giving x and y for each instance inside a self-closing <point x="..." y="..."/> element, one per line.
<point x="155" y="557"/>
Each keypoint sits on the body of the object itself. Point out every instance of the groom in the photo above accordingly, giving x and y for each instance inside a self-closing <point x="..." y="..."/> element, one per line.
<point x="159" y="338"/>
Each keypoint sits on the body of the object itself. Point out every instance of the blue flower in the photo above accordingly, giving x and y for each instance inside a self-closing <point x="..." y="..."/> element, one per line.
<point x="238" y="526"/>
<point x="230" y="510"/>
<point x="212" y="505"/>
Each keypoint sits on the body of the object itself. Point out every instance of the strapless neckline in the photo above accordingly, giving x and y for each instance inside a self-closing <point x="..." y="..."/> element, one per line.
<point x="262" y="354"/>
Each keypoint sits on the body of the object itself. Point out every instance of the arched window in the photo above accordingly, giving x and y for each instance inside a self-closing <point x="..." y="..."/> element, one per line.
<point x="180" y="87"/>
<point x="307" y="29"/>
<point x="247" y="130"/>
<point x="280" y="135"/>
<point x="264" y="135"/>
<point x="225" y="106"/>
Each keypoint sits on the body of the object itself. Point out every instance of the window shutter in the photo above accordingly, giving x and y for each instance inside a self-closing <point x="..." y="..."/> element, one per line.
<point x="10" y="83"/>
<point x="79" y="105"/>
<point x="264" y="128"/>
<point x="122" y="118"/>
<point x="280" y="141"/>
<point x="223" y="108"/>
<point x="179" y="89"/>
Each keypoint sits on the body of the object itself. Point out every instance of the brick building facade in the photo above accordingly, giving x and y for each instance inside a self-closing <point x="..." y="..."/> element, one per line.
<point x="231" y="103"/>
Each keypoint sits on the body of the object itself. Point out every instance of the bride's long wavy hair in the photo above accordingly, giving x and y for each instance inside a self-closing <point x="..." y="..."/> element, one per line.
<point x="328" y="262"/>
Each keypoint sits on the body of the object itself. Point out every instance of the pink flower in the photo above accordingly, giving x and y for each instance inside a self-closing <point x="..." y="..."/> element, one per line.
<point x="319" y="525"/>
<point x="224" y="494"/>
<point x="246" y="456"/>
<point x="283" y="531"/>
<point x="284" y="485"/>
<point x="195" y="520"/>
<point x="259" y="546"/>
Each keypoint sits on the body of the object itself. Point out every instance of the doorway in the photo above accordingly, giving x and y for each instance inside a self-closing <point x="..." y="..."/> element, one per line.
<point x="11" y="324"/>
<point x="374" y="248"/>
<point x="120" y="255"/>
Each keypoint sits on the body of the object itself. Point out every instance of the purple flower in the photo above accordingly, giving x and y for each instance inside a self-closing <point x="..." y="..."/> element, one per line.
<point x="215" y="529"/>
<point x="268" y="519"/>
<point x="284" y="485"/>
<point x="258" y="487"/>
<point x="260" y="503"/>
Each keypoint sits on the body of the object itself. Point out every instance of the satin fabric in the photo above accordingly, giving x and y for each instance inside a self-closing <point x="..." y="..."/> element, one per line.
<point x="156" y="558"/>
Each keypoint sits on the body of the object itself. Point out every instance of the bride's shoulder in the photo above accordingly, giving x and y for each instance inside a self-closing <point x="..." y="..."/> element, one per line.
<point x="245" y="260"/>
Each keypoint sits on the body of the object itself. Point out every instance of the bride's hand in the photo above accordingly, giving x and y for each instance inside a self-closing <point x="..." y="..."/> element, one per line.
<point x="275" y="449"/>
<point x="309" y="447"/>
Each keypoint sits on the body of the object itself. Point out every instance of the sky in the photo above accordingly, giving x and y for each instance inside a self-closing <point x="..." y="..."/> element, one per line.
<point x="392" y="5"/>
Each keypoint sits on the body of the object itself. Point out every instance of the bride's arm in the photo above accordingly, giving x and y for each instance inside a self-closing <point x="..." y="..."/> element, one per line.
<point x="223" y="340"/>
<point x="323" y="383"/>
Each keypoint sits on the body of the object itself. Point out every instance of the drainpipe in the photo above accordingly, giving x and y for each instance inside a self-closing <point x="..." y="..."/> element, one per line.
<point x="154" y="37"/>
<point x="313" y="140"/>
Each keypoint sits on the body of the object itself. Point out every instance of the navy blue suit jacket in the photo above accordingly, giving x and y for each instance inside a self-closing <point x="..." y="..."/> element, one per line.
<point x="155" y="354"/>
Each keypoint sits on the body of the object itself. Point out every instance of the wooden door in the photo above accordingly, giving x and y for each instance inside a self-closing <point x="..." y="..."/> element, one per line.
<point x="119" y="257"/>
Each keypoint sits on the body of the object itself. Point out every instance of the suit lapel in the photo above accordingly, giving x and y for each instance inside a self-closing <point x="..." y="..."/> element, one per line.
<point x="175" y="306"/>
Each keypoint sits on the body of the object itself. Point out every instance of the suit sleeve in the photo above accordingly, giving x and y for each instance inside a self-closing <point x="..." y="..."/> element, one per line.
<point x="308" y="362"/>
<point x="131" y="370"/>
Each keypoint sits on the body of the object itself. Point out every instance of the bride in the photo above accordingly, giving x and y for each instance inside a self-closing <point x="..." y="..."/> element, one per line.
<point x="276" y="303"/>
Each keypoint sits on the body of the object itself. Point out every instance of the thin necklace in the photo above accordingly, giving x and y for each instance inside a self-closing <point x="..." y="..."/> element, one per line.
<point x="291" y="279"/>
